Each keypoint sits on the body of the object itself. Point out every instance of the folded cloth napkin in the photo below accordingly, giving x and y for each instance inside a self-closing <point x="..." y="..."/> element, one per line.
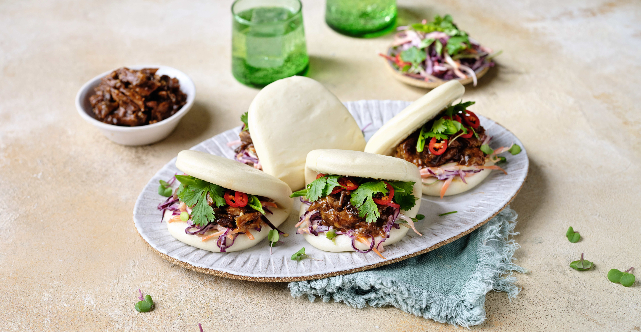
<point x="447" y="285"/>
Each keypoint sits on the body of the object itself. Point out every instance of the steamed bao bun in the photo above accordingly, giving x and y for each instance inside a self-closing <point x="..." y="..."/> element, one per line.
<point x="231" y="175"/>
<point x="365" y="165"/>
<point x="295" y="115"/>
<point x="392" y="133"/>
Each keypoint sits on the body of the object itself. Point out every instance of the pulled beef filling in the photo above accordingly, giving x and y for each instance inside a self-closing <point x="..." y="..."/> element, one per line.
<point x="463" y="151"/>
<point x="129" y="97"/>
<point x="241" y="218"/>
<point x="337" y="211"/>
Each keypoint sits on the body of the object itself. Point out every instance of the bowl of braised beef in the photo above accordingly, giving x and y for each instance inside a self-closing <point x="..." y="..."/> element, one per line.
<point x="136" y="105"/>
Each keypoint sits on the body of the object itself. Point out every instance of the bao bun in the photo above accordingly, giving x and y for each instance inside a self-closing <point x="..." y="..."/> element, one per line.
<point x="231" y="175"/>
<point x="392" y="133"/>
<point x="365" y="165"/>
<point x="292" y="116"/>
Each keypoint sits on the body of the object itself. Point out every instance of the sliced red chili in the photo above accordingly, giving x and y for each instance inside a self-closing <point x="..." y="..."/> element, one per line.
<point x="320" y="175"/>
<point x="456" y="118"/>
<point x="236" y="199"/>
<point x="469" y="133"/>
<point x="347" y="183"/>
<point x="437" y="148"/>
<point x="387" y="199"/>
<point x="471" y="119"/>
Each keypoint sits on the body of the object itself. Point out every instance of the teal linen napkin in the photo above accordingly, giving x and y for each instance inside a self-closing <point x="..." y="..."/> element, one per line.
<point x="447" y="285"/>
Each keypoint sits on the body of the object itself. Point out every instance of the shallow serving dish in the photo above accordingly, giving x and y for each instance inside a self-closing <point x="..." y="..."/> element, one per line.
<point x="475" y="208"/>
<point x="140" y="135"/>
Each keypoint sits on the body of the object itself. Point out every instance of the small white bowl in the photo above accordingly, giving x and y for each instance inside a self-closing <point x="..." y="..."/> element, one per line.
<point x="140" y="135"/>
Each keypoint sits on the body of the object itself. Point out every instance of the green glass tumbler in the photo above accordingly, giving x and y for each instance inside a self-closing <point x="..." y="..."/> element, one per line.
<point x="268" y="41"/>
<point x="360" y="18"/>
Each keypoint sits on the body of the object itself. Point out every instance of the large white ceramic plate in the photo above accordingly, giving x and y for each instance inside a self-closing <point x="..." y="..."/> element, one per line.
<point x="474" y="207"/>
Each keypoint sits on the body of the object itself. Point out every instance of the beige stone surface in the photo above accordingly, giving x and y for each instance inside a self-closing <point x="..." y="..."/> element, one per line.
<point x="70" y="258"/>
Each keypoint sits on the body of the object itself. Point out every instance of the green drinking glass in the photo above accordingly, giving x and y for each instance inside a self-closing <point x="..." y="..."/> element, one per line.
<point x="268" y="41"/>
<point x="361" y="18"/>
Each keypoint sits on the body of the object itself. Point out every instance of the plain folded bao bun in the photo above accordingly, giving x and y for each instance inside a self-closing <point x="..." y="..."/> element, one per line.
<point x="292" y="116"/>
<point x="233" y="175"/>
<point x="365" y="165"/>
<point x="413" y="117"/>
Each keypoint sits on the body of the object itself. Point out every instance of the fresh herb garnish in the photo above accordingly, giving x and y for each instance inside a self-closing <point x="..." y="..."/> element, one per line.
<point x="582" y="264"/>
<point x="255" y="204"/>
<point x="501" y="160"/>
<point x="272" y="237"/>
<point x="414" y="56"/>
<point x="244" y="119"/>
<point x="624" y="278"/>
<point x="362" y="198"/>
<point x="331" y="235"/>
<point x="144" y="305"/>
<point x="418" y="218"/>
<point x="299" y="255"/>
<point x="446" y="213"/>
<point x="165" y="189"/>
<point x="487" y="149"/>
<point x="194" y="193"/>
<point x="442" y="128"/>
<point x="184" y="216"/>
<point x="572" y="236"/>
<point x="515" y="149"/>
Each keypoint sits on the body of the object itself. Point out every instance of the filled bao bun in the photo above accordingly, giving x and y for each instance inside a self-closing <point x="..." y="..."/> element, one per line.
<point x="365" y="165"/>
<point x="233" y="175"/>
<point x="293" y="116"/>
<point x="390" y="135"/>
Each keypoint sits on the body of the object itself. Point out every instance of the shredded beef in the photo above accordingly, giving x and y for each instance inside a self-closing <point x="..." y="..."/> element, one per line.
<point x="129" y="97"/>
<point x="463" y="151"/>
<point x="337" y="211"/>
<point x="243" y="218"/>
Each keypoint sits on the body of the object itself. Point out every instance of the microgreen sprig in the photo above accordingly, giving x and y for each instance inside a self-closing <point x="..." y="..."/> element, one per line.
<point x="572" y="236"/>
<point x="146" y="304"/>
<point x="299" y="255"/>
<point x="582" y="264"/>
<point x="626" y="278"/>
<point x="164" y="189"/>
<point x="446" y="213"/>
<point x="273" y="237"/>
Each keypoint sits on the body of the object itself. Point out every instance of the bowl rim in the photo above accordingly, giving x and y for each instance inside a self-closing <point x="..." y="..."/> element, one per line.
<point x="181" y="112"/>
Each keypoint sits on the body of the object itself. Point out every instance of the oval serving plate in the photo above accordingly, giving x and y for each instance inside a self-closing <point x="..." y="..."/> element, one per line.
<point x="474" y="207"/>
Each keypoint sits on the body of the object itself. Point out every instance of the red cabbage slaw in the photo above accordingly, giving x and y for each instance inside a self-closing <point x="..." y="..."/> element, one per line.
<point x="448" y="173"/>
<point x="438" y="65"/>
<point x="226" y="236"/>
<point x="246" y="156"/>
<point x="310" y="223"/>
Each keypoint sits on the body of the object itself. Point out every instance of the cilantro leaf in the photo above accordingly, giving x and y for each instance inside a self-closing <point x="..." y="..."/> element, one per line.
<point x="299" y="255"/>
<point x="438" y="136"/>
<point x="193" y="192"/>
<point x="439" y="126"/>
<point x="217" y="193"/>
<point x="362" y="198"/>
<point x="202" y="213"/>
<point x="331" y="183"/>
<point x="316" y="188"/>
<point x="413" y="55"/>
<point x="254" y="203"/>
<point x="456" y="44"/>
<point x="404" y="194"/>
<point x="245" y="118"/>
